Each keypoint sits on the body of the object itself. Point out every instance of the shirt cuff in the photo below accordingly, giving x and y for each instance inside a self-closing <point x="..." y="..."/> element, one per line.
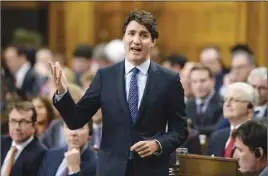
<point x="160" y="149"/>
<point x="72" y="173"/>
<point x="58" y="97"/>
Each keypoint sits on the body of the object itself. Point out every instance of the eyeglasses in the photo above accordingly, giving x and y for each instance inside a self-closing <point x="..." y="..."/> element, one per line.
<point x="233" y="100"/>
<point x="20" y="122"/>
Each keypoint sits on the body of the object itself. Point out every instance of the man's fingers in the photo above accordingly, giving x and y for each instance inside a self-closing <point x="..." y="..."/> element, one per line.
<point x="55" y="73"/>
<point x="137" y="145"/>
<point x="144" y="152"/>
<point x="146" y="155"/>
<point x="50" y="66"/>
<point x="141" y="148"/>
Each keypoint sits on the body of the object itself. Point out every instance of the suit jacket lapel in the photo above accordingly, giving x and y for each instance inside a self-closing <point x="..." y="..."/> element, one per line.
<point x="5" y="148"/>
<point x="150" y="91"/>
<point x="212" y="106"/>
<point x="121" y="88"/>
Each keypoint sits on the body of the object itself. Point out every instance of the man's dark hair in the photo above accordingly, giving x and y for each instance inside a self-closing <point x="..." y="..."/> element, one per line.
<point x="20" y="49"/>
<point x="177" y="59"/>
<point x="144" y="18"/>
<point x="202" y="68"/>
<point x="84" y="51"/>
<point x="253" y="134"/>
<point x="243" y="49"/>
<point x="25" y="106"/>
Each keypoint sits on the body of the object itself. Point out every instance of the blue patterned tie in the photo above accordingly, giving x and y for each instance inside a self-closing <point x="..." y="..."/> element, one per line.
<point x="133" y="97"/>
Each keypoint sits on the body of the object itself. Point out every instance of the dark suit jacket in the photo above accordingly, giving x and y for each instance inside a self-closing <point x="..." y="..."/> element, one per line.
<point x="217" y="142"/>
<point x="212" y="115"/>
<point x="54" y="157"/>
<point x="28" y="161"/>
<point x="31" y="84"/>
<point x="53" y="137"/>
<point x="162" y="102"/>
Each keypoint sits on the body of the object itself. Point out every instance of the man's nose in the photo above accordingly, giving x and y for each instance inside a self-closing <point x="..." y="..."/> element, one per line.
<point x="136" y="39"/>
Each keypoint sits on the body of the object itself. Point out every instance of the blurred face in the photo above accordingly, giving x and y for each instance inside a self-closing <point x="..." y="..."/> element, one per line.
<point x="42" y="116"/>
<point x="80" y="64"/>
<point x="12" y="59"/>
<point x="20" y="125"/>
<point x="137" y="43"/>
<point x="261" y="86"/>
<point x="201" y="83"/>
<point x="241" y="67"/>
<point x="76" y="138"/>
<point x="43" y="55"/>
<point x="210" y="58"/>
<point x="235" y="106"/>
<point x="246" y="158"/>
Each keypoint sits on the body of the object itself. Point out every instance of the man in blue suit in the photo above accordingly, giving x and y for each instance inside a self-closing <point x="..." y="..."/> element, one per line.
<point x="76" y="159"/>
<point x="138" y="98"/>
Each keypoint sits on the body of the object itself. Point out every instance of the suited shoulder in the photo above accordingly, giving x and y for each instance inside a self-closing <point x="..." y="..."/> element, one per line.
<point x="167" y="72"/>
<point x="112" y="67"/>
<point x="220" y="132"/>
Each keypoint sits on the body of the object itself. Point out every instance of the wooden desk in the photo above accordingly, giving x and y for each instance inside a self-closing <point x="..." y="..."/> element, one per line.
<point x="198" y="165"/>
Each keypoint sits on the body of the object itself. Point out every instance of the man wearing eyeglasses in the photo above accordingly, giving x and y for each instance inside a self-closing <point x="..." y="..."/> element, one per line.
<point x="21" y="152"/>
<point x="239" y="102"/>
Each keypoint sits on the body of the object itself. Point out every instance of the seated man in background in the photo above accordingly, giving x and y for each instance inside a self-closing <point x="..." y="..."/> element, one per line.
<point x="77" y="158"/>
<point x="258" y="79"/>
<point x="239" y="102"/>
<point x="205" y="109"/>
<point x="21" y="153"/>
<point x="251" y="147"/>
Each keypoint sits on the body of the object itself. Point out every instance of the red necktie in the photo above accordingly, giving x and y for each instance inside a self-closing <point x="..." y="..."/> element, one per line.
<point x="229" y="148"/>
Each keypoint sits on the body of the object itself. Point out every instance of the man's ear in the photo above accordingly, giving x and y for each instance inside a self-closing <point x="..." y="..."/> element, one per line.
<point x="259" y="153"/>
<point x="153" y="43"/>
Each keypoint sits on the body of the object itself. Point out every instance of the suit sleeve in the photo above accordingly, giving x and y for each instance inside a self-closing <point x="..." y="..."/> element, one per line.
<point x="77" y="115"/>
<point x="41" y="170"/>
<point x="177" y="124"/>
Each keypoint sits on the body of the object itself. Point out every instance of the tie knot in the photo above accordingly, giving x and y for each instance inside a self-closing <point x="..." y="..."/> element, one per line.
<point x="14" y="148"/>
<point x="136" y="70"/>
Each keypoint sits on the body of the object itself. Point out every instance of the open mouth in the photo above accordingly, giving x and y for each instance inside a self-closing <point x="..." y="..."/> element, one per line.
<point x="136" y="50"/>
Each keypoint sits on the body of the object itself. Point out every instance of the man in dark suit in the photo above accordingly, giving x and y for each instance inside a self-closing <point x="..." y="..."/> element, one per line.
<point x="238" y="108"/>
<point x="205" y="110"/>
<point x="138" y="99"/>
<point x="258" y="79"/>
<point x="67" y="160"/>
<point x="21" y="153"/>
<point x="26" y="80"/>
<point x="251" y="147"/>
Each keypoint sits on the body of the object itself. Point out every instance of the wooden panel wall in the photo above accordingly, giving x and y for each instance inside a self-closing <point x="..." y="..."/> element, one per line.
<point x="184" y="26"/>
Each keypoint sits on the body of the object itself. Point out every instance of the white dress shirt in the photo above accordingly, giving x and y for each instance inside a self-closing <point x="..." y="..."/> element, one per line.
<point x="63" y="166"/>
<point x="141" y="77"/>
<point x="261" y="110"/>
<point x="21" y="73"/>
<point x="20" y="148"/>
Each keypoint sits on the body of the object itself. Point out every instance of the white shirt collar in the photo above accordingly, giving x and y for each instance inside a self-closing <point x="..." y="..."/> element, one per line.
<point x="261" y="109"/>
<point x="21" y="146"/>
<point x="21" y="73"/>
<point x="144" y="67"/>
<point x="237" y="126"/>
<point x="198" y="101"/>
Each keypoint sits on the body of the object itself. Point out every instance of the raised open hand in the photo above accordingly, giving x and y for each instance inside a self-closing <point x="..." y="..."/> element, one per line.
<point x="58" y="77"/>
